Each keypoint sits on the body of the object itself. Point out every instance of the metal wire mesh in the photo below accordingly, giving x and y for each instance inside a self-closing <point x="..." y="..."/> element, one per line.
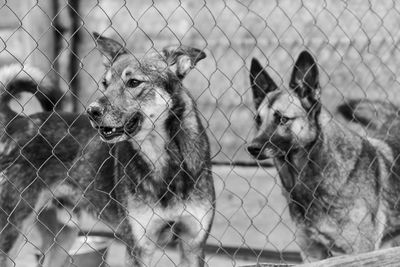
<point x="355" y="45"/>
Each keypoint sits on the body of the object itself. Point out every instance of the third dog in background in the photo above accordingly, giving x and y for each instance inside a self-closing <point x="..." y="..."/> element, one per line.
<point x="341" y="188"/>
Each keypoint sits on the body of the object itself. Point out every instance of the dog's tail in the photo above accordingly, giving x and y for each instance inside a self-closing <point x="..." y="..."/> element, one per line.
<point x="15" y="79"/>
<point x="371" y="113"/>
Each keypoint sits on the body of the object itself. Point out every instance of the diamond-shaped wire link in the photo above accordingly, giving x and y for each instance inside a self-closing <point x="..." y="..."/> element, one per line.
<point x="355" y="45"/>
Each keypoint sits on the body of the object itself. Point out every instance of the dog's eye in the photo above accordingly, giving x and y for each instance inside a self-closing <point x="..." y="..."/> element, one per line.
<point x="257" y="118"/>
<point x="284" y="120"/>
<point x="104" y="83"/>
<point x="280" y="119"/>
<point x="132" y="83"/>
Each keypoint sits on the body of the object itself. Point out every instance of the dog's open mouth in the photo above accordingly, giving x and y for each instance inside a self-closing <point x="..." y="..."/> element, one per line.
<point x="261" y="153"/>
<point x="130" y="128"/>
<point x="110" y="132"/>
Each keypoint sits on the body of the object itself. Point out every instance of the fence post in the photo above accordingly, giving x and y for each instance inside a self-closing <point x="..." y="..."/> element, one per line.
<point x="74" y="61"/>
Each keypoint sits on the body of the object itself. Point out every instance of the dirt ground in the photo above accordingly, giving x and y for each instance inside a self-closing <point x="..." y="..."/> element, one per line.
<point x="251" y="213"/>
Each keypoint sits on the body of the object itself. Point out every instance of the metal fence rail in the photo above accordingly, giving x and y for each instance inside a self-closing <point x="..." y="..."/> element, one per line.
<point x="355" y="45"/>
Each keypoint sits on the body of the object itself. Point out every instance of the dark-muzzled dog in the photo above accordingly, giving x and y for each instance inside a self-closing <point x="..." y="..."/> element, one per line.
<point x="341" y="187"/>
<point x="145" y="171"/>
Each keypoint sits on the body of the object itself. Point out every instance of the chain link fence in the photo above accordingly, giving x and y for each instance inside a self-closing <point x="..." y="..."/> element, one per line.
<point x="355" y="44"/>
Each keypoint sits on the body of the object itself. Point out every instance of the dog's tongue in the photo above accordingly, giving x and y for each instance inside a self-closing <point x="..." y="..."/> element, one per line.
<point x="288" y="177"/>
<point x="134" y="124"/>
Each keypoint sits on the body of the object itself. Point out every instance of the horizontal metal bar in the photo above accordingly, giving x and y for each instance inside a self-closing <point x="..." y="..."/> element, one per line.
<point x="266" y="164"/>
<point x="238" y="253"/>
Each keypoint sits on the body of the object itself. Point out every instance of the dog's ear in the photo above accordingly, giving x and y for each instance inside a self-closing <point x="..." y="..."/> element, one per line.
<point x="110" y="48"/>
<point x="305" y="82"/>
<point x="261" y="82"/>
<point x="181" y="59"/>
<point x="305" y="77"/>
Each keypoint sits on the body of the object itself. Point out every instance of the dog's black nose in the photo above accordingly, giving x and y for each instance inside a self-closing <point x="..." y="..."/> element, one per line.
<point x="95" y="112"/>
<point x="254" y="149"/>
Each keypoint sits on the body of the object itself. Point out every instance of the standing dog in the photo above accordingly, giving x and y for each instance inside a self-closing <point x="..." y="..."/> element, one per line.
<point x="163" y="174"/>
<point x="145" y="170"/>
<point x="342" y="189"/>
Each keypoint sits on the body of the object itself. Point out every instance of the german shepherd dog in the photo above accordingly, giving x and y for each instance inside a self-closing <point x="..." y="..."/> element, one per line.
<point x="143" y="168"/>
<point x="342" y="188"/>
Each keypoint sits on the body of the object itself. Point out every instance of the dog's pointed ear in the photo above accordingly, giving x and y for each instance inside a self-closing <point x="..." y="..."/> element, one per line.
<point x="110" y="48"/>
<point x="305" y="82"/>
<point x="305" y="76"/>
<point x="261" y="82"/>
<point x="181" y="59"/>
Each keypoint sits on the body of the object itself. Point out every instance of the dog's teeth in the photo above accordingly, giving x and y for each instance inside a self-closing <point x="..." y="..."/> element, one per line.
<point x="114" y="130"/>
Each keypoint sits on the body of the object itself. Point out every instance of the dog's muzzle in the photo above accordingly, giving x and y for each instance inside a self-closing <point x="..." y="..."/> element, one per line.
<point x="257" y="151"/>
<point x="95" y="113"/>
<point x="263" y="151"/>
<point x="130" y="128"/>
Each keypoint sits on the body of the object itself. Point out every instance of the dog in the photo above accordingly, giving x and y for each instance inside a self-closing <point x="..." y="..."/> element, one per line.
<point x="17" y="215"/>
<point x="139" y="162"/>
<point x="341" y="187"/>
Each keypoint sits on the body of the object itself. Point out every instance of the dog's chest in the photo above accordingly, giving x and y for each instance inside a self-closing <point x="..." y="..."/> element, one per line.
<point x="143" y="212"/>
<point x="147" y="219"/>
<point x="150" y="178"/>
<point x="153" y="151"/>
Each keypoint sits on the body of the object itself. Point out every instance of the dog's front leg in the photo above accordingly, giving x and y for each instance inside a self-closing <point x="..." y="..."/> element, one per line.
<point x="9" y="237"/>
<point x="196" y="222"/>
<point x="58" y="254"/>
<point x="192" y="254"/>
<point x="17" y="225"/>
<point x="140" y="254"/>
<point x="142" y="238"/>
<point x="57" y="239"/>
<point x="310" y="249"/>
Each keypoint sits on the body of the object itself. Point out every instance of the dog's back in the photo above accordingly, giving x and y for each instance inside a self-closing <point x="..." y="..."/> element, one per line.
<point x="36" y="153"/>
<point x="383" y="126"/>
